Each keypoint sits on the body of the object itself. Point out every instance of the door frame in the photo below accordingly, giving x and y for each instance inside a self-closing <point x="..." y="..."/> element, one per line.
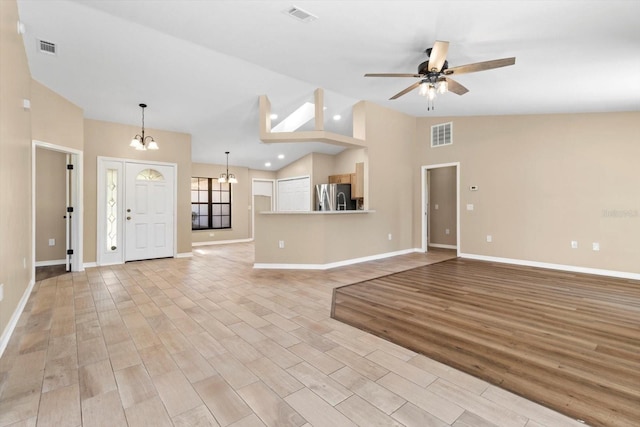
<point x="121" y="211"/>
<point x="253" y="207"/>
<point x="425" y="204"/>
<point x="77" y="225"/>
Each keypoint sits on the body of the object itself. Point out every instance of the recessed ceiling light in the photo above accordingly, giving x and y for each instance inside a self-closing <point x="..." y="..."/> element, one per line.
<point x="337" y="117"/>
<point x="281" y="156"/>
<point x="268" y="164"/>
<point x="273" y="116"/>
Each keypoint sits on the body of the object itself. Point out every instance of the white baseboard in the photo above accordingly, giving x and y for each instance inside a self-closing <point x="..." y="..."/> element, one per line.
<point x="51" y="262"/>
<point x="221" y="242"/>
<point x="562" y="267"/>
<point x="332" y="264"/>
<point x="89" y="264"/>
<point x="438" y="245"/>
<point x="184" y="255"/>
<point x="8" y="330"/>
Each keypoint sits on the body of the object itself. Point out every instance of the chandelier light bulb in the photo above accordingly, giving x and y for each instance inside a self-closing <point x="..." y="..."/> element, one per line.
<point x="424" y="87"/>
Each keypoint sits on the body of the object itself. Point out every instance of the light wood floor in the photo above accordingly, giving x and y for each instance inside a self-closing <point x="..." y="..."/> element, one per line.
<point x="568" y="341"/>
<point x="210" y="341"/>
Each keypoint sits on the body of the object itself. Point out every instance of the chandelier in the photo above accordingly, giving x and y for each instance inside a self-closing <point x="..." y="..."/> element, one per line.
<point x="141" y="142"/>
<point x="227" y="177"/>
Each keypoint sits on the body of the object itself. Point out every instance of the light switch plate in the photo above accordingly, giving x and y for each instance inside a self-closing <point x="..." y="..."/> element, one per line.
<point x="469" y="207"/>
<point x="574" y="244"/>
<point x="596" y="246"/>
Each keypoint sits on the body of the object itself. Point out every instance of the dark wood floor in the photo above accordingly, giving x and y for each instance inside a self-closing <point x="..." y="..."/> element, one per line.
<point x="568" y="341"/>
<point x="49" y="271"/>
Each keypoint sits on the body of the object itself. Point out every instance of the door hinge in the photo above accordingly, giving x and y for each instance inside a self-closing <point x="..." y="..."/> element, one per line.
<point x="70" y="209"/>
<point x="69" y="251"/>
<point x="70" y="167"/>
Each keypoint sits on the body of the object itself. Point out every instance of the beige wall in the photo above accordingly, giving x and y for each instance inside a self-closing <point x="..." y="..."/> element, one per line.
<point x="51" y="172"/>
<point x="54" y="119"/>
<point x="112" y="140"/>
<point x="545" y="180"/>
<point x="301" y="167"/>
<point x="442" y="206"/>
<point x="15" y="167"/>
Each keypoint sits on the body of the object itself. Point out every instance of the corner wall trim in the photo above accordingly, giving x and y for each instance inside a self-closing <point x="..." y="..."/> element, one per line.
<point x="562" y="267"/>
<point x="333" y="264"/>
<point x="438" y="245"/>
<point x="8" y="330"/>
<point x="50" y="262"/>
<point x="220" y="242"/>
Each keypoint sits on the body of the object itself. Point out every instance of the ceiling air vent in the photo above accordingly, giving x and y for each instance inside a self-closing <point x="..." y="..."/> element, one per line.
<point x="442" y="134"/>
<point x="47" y="47"/>
<point x="300" y="15"/>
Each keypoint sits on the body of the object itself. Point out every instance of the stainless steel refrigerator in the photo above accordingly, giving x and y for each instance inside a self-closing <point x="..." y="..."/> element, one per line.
<point x="334" y="197"/>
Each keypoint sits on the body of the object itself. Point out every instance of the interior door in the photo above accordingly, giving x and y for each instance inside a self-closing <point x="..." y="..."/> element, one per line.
<point x="149" y="205"/>
<point x="69" y="214"/>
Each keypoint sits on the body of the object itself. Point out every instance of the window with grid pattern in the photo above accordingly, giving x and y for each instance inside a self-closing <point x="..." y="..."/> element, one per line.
<point x="210" y="204"/>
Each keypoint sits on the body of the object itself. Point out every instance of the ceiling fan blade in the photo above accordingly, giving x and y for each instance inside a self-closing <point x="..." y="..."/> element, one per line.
<point x="455" y="87"/>
<point x="480" y="66"/>
<point x="438" y="55"/>
<point x="392" y="75"/>
<point x="407" y="90"/>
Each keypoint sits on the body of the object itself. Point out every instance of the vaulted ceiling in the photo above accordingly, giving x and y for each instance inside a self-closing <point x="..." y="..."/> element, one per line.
<point x="201" y="65"/>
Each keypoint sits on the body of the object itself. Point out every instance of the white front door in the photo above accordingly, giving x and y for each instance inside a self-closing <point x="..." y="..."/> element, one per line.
<point x="149" y="211"/>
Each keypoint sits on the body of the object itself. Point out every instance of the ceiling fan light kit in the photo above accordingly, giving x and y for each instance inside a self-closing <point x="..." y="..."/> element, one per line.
<point x="433" y="74"/>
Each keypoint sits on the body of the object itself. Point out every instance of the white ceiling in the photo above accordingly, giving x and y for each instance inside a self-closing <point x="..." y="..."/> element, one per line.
<point x="201" y="65"/>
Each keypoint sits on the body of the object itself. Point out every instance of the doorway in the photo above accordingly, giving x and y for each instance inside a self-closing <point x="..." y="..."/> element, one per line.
<point x="57" y="223"/>
<point x="441" y="206"/>
<point x="262" y="200"/>
<point x="136" y="210"/>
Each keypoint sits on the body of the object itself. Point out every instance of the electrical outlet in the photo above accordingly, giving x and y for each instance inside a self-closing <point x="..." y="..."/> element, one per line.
<point x="390" y="236"/>
<point x="469" y="207"/>
<point x="447" y="231"/>
<point x="436" y="207"/>
<point x="281" y="244"/>
<point x="596" y="246"/>
<point x="52" y="242"/>
<point x="489" y="238"/>
<point x="574" y="244"/>
<point x="24" y="263"/>
<point x="1" y="291"/>
<point x="212" y="234"/>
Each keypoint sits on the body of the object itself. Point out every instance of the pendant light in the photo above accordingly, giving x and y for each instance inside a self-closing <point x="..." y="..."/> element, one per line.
<point x="227" y="177"/>
<point x="139" y="142"/>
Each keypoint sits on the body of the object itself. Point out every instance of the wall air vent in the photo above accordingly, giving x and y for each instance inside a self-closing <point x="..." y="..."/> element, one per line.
<point x="299" y="14"/>
<point x="46" y="47"/>
<point x="442" y="134"/>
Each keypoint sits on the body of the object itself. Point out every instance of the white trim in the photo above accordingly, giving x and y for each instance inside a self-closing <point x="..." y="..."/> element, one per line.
<point x="50" y="262"/>
<point x="562" y="267"/>
<point x="438" y="245"/>
<point x="423" y="205"/>
<point x="77" y="232"/>
<point x="184" y="255"/>
<point x="93" y="264"/>
<point x="11" y="326"/>
<point x="220" y="242"/>
<point x="334" y="264"/>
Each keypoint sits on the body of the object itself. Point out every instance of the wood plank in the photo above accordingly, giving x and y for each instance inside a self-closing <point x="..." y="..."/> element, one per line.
<point x="566" y="340"/>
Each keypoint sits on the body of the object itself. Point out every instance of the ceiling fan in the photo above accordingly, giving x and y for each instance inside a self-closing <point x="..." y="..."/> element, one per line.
<point x="433" y="74"/>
